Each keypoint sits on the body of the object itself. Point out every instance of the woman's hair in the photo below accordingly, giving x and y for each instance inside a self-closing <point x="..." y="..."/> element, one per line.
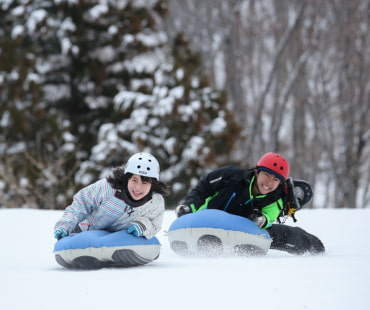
<point x="119" y="180"/>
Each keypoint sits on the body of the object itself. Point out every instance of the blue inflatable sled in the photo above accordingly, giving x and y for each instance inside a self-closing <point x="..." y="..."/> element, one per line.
<point x="217" y="233"/>
<point x="99" y="248"/>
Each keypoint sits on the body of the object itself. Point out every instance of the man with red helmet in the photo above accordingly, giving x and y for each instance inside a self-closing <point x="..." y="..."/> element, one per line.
<point x="254" y="193"/>
<point x="257" y="194"/>
<point x="275" y="164"/>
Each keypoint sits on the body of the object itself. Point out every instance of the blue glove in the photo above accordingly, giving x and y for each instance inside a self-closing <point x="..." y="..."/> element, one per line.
<point x="135" y="229"/>
<point x="60" y="233"/>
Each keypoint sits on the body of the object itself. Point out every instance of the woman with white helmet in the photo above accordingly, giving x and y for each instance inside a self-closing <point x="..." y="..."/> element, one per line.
<point x="130" y="198"/>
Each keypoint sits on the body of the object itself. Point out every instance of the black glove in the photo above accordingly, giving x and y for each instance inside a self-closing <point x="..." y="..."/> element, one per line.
<point x="258" y="218"/>
<point x="182" y="210"/>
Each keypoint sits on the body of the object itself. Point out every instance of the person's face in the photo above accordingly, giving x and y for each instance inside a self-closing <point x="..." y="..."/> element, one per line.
<point x="266" y="182"/>
<point x="137" y="188"/>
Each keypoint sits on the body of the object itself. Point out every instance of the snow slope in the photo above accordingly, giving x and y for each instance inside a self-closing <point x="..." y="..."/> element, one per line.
<point x="31" y="279"/>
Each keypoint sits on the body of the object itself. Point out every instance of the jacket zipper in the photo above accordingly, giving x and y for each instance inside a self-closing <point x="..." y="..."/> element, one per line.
<point x="228" y="202"/>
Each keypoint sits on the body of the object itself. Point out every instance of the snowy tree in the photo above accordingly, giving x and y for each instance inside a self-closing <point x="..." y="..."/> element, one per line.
<point x="87" y="83"/>
<point x="297" y="76"/>
<point x="36" y="146"/>
<point x="172" y="113"/>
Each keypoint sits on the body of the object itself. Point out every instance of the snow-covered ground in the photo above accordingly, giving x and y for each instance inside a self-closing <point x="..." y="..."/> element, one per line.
<point x="340" y="279"/>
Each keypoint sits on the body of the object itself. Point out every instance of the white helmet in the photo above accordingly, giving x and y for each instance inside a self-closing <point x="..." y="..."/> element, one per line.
<point x="143" y="164"/>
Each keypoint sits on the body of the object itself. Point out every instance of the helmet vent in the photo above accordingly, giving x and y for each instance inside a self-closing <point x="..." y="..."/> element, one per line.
<point x="274" y="163"/>
<point x="143" y="164"/>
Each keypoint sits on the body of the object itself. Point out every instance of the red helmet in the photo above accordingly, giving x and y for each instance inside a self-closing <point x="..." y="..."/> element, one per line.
<point x="275" y="164"/>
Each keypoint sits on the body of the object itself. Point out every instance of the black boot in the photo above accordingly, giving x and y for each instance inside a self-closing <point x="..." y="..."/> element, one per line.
<point x="294" y="240"/>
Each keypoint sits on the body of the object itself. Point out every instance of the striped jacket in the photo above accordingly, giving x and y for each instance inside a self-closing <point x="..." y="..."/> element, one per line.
<point x="96" y="207"/>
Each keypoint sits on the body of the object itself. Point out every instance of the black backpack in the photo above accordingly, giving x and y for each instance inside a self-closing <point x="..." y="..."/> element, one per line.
<point x="298" y="194"/>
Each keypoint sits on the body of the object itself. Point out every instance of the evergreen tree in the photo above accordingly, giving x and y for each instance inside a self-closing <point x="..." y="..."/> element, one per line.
<point x="179" y="119"/>
<point x="88" y="83"/>
<point x="36" y="148"/>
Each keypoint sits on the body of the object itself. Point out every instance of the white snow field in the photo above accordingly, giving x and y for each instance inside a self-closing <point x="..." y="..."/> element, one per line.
<point x="30" y="278"/>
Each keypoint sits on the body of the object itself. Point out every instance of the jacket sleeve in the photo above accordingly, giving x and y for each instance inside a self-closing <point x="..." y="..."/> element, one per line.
<point x="83" y="204"/>
<point x="209" y="186"/>
<point x="271" y="212"/>
<point x="151" y="220"/>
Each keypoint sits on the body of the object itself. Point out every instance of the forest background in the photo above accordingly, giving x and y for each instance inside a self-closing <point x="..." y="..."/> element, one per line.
<point x="84" y="84"/>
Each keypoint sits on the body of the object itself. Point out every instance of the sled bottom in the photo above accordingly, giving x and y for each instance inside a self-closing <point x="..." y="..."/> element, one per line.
<point x="120" y="258"/>
<point x="217" y="242"/>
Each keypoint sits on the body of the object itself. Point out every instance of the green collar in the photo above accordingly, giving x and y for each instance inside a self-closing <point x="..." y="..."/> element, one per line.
<point x="253" y="180"/>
